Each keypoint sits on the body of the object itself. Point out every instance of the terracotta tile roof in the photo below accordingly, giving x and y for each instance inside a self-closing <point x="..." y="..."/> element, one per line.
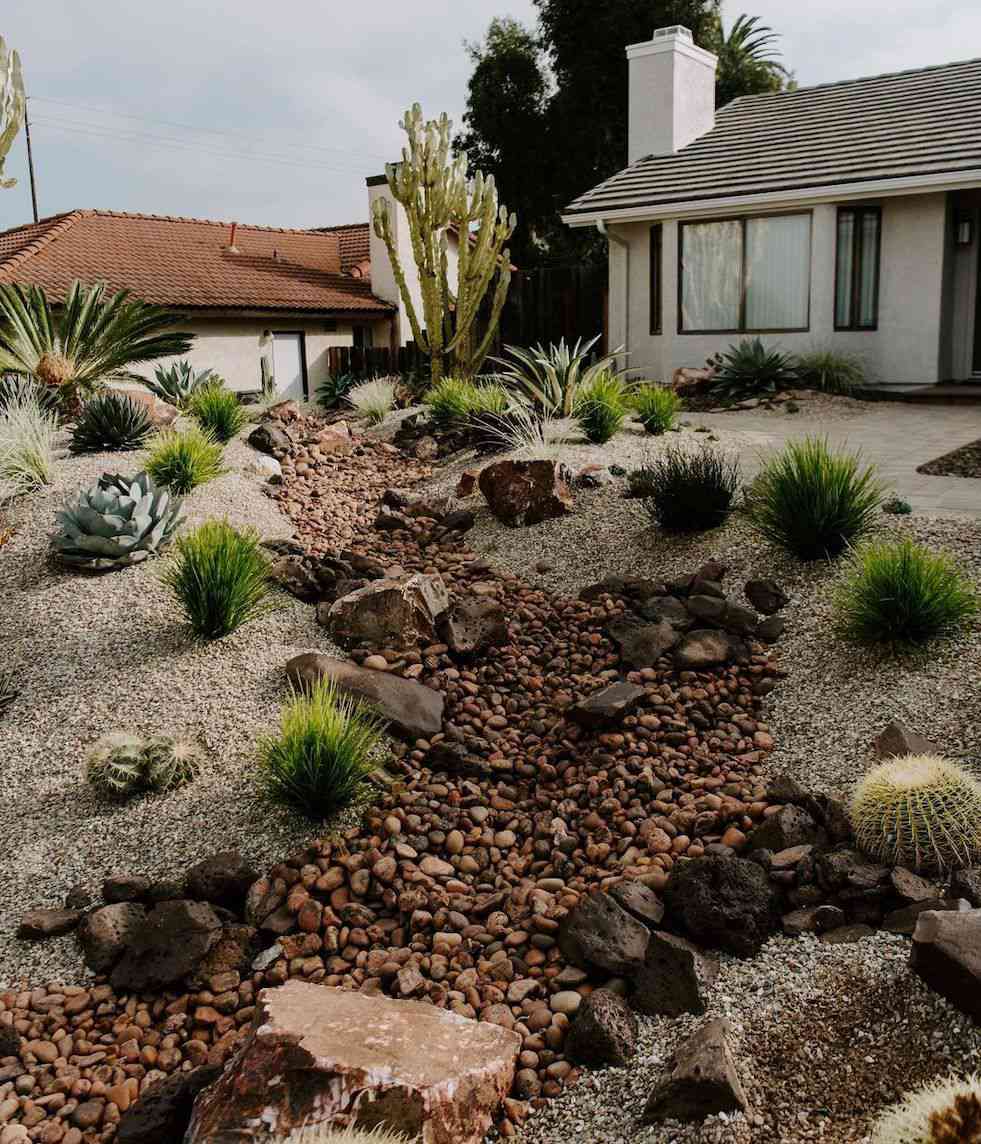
<point x="354" y="240"/>
<point x="187" y="263"/>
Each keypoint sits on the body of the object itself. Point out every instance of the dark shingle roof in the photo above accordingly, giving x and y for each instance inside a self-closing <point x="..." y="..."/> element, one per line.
<point x="186" y="263"/>
<point x="886" y="127"/>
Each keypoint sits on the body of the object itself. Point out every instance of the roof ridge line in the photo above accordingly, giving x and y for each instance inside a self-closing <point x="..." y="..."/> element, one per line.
<point x="97" y="212"/>
<point x="60" y="224"/>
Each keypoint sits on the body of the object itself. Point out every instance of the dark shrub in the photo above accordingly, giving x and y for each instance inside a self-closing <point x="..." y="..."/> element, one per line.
<point x="687" y="491"/>
<point x="110" y="422"/>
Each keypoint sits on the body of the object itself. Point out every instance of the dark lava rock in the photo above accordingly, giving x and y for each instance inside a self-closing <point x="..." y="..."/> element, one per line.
<point x="168" y="947"/>
<point x="674" y="979"/>
<point x="221" y="879"/>
<point x="946" y="953"/>
<point x="607" y="706"/>
<point x="270" y="438"/>
<point x="966" y="884"/>
<point x="641" y="644"/>
<point x="600" y="934"/>
<point x="10" y="1041"/>
<point x="163" y="1113"/>
<point x="121" y="887"/>
<point x="105" y="933"/>
<point x="766" y="596"/>
<point x="702" y="1081"/>
<point x="604" y="1031"/>
<point x="846" y="935"/>
<point x="473" y="625"/>
<point x="790" y="826"/>
<point x="722" y="902"/>
<point x="639" y="900"/>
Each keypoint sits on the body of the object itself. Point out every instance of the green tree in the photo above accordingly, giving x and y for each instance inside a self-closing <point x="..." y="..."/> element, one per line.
<point x="504" y="121"/>
<point x="748" y="63"/>
<point x="12" y="104"/>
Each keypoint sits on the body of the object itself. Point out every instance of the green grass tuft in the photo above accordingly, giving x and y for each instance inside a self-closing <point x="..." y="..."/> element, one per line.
<point x="601" y="407"/>
<point x="217" y="410"/>
<point x="220" y="578"/>
<point x="322" y="755"/>
<point x="182" y="459"/>
<point x="814" y="502"/>
<point x="830" y="371"/>
<point x="687" y="491"/>
<point x="657" y="408"/>
<point x="899" y="593"/>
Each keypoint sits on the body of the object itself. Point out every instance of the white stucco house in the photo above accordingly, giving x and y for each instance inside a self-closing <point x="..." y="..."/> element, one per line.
<point x="260" y="301"/>
<point x="845" y="215"/>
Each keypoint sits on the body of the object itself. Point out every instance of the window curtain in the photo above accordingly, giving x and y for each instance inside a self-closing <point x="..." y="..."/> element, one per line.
<point x="846" y="268"/>
<point x="711" y="275"/>
<point x="868" y="285"/>
<point x="778" y="272"/>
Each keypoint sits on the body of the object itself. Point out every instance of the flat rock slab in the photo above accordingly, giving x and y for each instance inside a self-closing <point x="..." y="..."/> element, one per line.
<point x="412" y="709"/>
<point x="702" y="1081"/>
<point x="319" y="1055"/>
<point x="607" y="706"/>
<point x="946" y="953"/>
<point x="38" y="924"/>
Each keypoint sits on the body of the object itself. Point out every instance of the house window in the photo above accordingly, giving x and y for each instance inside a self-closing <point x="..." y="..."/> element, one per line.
<point x="362" y="337"/>
<point x="857" y="268"/>
<point x="745" y="275"/>
<point x="656" y="302"/>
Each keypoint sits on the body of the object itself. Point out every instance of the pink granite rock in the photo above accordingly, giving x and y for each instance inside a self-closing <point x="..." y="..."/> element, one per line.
<point x="318" y="1055"/>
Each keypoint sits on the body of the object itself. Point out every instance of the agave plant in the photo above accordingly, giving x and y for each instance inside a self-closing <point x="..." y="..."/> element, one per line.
<point x="751" y="369"/>
<point x="177" y="383"/>
<point x="551" y="378"/>
<point x="91" y="338"/>
<point x="117" y="522"/>
<point x="109" y="422"/>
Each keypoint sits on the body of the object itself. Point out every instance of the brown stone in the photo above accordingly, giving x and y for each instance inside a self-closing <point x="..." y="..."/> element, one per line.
<point x="390" y="613"/>
<point x="526" y="492"/>
<point x="366" y="1061"/>
<point x="601" y="934"/>
<point x="896" y="740"/>
<point x="607" y="706"/>
<point x="946" y="953"/>
<point x="38" y="924"/>
<point x="473" y="625"/>
<point x="674" y="979"/>
<point x="702" y="1081"/>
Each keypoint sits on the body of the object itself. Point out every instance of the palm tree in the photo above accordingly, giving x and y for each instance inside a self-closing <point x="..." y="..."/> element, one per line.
<point x="748" y="63"/>
<point x="93" y="337"/>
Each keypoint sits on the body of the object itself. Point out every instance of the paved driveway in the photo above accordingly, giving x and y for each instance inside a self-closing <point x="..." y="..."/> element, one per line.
<point x="894" y="436"/>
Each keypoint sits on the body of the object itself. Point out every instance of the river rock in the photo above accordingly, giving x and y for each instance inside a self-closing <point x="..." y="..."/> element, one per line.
<point x="360" y="1059"/>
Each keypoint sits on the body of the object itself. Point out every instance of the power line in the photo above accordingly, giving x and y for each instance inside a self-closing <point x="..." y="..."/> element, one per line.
<point x="229" y="131"/>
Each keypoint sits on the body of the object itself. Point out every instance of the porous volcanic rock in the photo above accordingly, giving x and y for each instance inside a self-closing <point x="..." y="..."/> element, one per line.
<point x="390" y="613"/>
<point x="168" y="947"/>
<point x="702" y="1081"/>
<point x="642" y="644"/>
<point x="525" y="492"/>
<point x="365" y="1060"/>
<point x="601" y="934"/>
<point x="411" y="709"/>
<point x="675" y="977"/>
<point x="473" y="625"/>
<point x="105" y="933"/>
<point x="163" y="1112"/>
<point x="723" y="902"/>
<point x="222" y="880"/>
<point x="604" y="1031"/>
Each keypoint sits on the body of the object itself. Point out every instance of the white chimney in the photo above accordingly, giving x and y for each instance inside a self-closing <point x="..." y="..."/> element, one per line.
<point x="672" y="93"/>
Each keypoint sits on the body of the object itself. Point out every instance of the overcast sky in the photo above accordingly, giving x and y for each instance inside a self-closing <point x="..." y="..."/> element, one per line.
<point x="276" y="112"/>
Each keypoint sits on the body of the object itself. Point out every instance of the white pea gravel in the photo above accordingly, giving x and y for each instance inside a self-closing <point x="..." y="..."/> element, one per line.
<point x="100" y="653"/>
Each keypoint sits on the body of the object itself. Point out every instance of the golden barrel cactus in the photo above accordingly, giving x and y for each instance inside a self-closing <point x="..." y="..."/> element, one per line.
<point x="325" y="1134"/>
<point x="945" y="1111"/>
<point x="919" y="811"/>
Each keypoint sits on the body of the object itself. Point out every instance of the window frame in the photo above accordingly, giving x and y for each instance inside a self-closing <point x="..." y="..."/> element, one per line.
<point x="855" y="287"/>
<point x="656" y="283"/>
<point x="743" y="220"/>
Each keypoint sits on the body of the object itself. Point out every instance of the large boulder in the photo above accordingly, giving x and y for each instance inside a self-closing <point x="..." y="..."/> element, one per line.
<point x="221" y="879"/>
<point x="319" y="1055"/>
<point x="600" y="934"/>
<point x="168" y="947"/>
<point x="642" y="644"/>
<point x="946" y="953"/>
<point x="723" y="902"/>
<point x="674" y="979"/>
<point x="473" y="625"/>
<point x="163" y="1112"/>
<point x="526" y="492"/>
<point x="703" y="1080"/>
<point x="161" y="413"/>
<point x="412" y="709"/>
<point x="391" y="613"/>
<point x="604" y="1031"/>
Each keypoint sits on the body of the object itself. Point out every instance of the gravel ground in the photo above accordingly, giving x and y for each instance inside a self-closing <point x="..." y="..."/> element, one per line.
<point x="824" y="1036"/>
<point x="962" y="462"/>
<point x="101" y="653"/>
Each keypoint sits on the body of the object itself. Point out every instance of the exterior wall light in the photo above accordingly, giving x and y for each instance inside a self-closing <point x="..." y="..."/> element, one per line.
<point x="964" y="230"/>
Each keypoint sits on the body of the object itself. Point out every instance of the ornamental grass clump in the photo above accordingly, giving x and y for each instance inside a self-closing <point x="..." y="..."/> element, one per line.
<point x="814" y="502"/>
<point x="374" y="399"/>
<point x="217" y="410"/>
<point x="898" y="593"/>
<point x="922" y="812"/>
<point x="111" y="422"/>
<point x="942" y="1111"/>
<point x="830" y="371"/>
<point x="657" y="408"/>
<point x="601" y="407"/>
<point x="182" y="459"/>
<point x="689" y="491"/>
<point x="323" y="753"/>
<point x="449" y="400"/>
<point x="28" y="438"/>
<point x="220" y="578"/>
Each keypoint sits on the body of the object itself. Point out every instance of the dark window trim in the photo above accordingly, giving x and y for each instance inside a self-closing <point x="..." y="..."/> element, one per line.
<point x="858" y="210"/>
<point x="302" y="335"/>
<point x="743" y="220"/>
<point x="657" y="278"/>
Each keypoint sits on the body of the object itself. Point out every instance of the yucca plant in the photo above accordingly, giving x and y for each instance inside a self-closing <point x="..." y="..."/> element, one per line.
<point x="689" y="491"/>
<point x="182" y="459"/>
<point x="374" y="399"/>
<point x="657" y="407"/>
<point x="217" y="410"/>
<point x="551" y="378"/>
<point x="220" y="578"/>
<point x="942" y="1111"/>
<point x="814" y="502"/>
<point x="899" y="593"/>
<point x="830" y="371"/>
<point x="323" y="752"/>
<point x="116" y="522"/>
<point x="601" y="407"/>
<point x="93" y="337"/>
<point x="750" y="369"/>
<point x="28" y="439"/>
<point x="15" y="390"/>
<point x="178" y="382"/>
<point x="110" y="422"/>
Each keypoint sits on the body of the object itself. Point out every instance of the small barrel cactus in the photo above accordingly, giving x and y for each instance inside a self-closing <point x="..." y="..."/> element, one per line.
<point x="170" y="762"/>
<point x="327" y="1134"/>
<point x="117" y="522"/>
<point x="945" y="1111"/>
<point x="919" y="811"/>
<point x="115" y="765"/>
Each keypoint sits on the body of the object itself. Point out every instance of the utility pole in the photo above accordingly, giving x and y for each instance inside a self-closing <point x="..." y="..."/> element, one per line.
<point x="30" y="158"/>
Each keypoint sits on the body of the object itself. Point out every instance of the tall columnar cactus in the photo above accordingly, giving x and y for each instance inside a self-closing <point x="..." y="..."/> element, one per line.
<point x="13" y="104"/>
<point x="439" y="199"/>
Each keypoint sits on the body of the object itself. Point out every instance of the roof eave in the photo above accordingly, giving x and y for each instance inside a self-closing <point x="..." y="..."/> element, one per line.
<point x="797" y="196"/>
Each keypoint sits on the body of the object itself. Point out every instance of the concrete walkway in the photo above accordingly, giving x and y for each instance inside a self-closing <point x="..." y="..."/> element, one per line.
<point x="896" y="437"/>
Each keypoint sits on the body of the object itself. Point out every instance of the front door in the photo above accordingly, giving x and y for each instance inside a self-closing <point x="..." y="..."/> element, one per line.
<point x="290" y="366"/>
